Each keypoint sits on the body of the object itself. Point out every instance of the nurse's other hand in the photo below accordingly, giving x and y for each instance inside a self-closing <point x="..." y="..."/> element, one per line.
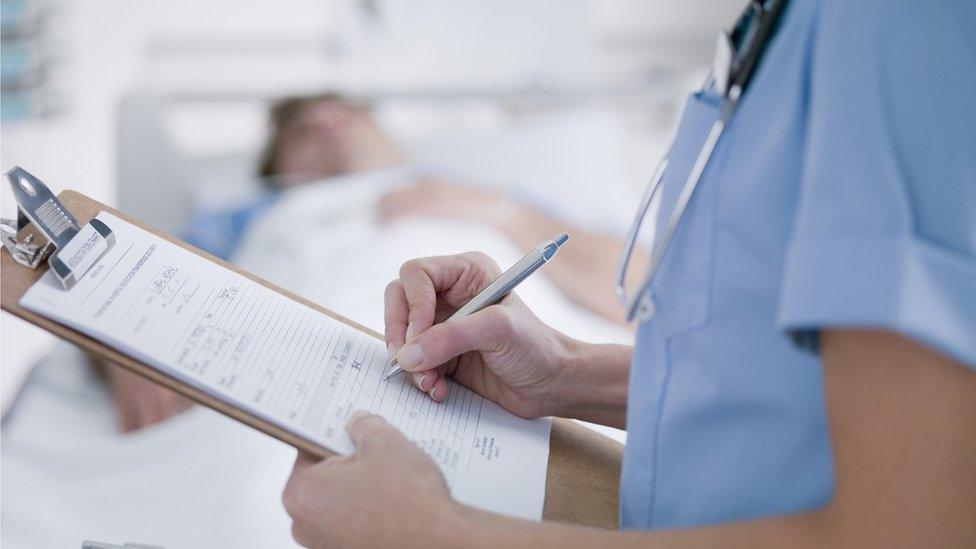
<point x="351" y="501"/>
<point x="502" y="352"/>
<point x="139" y="402"/>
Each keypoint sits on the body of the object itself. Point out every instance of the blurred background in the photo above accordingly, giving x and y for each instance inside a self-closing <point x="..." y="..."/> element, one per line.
<point x="140" y="103"/>
<point x="161" y="108"/>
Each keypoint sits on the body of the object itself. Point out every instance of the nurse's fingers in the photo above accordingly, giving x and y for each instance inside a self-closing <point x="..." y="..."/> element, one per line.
<point x="395" y="316"/>
<point x="489" y="329"/>
<point x="433" y="382"/>
<point x="455" y="278"/>
<point x="440" y="389"/>
<point x="372" y="435"/>
<point x="422" y="279"/>
<point x="396" y="328"/>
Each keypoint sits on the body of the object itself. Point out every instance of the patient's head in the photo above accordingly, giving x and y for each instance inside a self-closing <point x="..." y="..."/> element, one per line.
<point x="319" y="136"/>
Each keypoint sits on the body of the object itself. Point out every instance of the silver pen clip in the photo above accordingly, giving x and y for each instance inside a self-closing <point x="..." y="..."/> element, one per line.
<point x="71" y="249"/>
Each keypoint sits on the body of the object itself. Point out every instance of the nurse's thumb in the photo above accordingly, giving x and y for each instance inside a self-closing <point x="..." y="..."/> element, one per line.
<point x="487" y="330"/>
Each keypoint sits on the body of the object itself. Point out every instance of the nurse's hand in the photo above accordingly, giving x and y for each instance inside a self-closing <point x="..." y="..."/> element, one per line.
<point x="351" y="501"/>
<point x="502" y="352"/>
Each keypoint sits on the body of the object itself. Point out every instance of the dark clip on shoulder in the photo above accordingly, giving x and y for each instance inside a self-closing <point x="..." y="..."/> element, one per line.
<point x="71" y="250"/>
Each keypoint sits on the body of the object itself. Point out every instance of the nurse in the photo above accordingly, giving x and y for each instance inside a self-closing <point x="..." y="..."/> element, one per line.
<point x="805" y="366"/>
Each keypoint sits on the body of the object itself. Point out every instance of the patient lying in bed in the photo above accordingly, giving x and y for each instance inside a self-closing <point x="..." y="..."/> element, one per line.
<point x="323" y="140"/>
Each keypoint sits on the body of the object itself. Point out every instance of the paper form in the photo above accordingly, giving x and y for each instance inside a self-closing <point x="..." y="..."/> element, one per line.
<point x="289" y="364"/>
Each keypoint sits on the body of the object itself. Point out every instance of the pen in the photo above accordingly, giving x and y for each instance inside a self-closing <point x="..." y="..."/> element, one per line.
<point x="503" y="285"/>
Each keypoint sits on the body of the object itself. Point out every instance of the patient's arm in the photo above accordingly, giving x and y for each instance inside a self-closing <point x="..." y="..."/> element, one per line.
<point x="138" y="402"/>
<point x="585" y="270"/>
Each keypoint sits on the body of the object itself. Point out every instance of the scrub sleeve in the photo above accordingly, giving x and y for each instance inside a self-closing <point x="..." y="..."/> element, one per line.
<point x="885" y="227"/>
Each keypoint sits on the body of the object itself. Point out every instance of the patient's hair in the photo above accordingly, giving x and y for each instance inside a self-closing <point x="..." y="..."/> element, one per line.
<point x="285" y="112"/>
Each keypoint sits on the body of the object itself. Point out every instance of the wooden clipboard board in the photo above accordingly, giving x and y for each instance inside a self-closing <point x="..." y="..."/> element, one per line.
<point x="584" y="466"/>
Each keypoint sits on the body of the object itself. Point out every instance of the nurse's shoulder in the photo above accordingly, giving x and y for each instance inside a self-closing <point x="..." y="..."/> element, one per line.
<point x="885" y="235"/>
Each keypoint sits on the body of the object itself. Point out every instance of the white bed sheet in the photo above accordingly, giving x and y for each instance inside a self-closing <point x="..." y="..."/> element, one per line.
<point x="324" y="242"/>
<point x="196" y="480"/>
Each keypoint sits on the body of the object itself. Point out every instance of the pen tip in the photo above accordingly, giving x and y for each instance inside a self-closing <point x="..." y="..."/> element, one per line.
<point x="393" y="369"/>
<point x="561" y="239"/>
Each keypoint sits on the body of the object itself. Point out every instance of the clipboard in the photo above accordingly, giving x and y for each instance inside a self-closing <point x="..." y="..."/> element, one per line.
<point x="584" y="466"/>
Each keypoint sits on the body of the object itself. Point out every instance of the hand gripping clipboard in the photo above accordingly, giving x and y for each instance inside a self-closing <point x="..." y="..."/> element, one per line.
<point x="584" y="467"/>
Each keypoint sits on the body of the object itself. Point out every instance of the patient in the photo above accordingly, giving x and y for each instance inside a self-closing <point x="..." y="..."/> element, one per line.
<point x="325" y="136"/>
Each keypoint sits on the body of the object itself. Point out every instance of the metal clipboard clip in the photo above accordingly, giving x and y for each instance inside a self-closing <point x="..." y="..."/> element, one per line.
<point x="71" y="250"/>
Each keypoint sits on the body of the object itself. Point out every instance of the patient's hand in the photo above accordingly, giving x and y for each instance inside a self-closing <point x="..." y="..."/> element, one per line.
<point x="435" y="198"/>
<point x="139" y="402"/>
<point x="387" y="494"/>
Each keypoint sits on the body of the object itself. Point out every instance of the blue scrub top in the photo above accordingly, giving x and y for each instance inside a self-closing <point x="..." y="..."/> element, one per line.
<point x="842" y="194"/>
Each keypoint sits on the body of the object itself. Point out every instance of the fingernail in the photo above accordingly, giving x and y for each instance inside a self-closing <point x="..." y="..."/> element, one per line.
<point x="391" y="351"/>
<point x="410" y="356"/>
<point x="409" y="331"/>
<point x="419" y="378"/>
<point x="431" y="392"/>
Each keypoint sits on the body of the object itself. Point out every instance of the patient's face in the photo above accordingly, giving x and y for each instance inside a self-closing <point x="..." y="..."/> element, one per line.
<point x="331" y="138"/>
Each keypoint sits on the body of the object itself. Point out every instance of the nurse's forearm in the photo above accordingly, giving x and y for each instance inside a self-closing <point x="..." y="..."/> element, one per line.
<point x="593" y="384"/>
